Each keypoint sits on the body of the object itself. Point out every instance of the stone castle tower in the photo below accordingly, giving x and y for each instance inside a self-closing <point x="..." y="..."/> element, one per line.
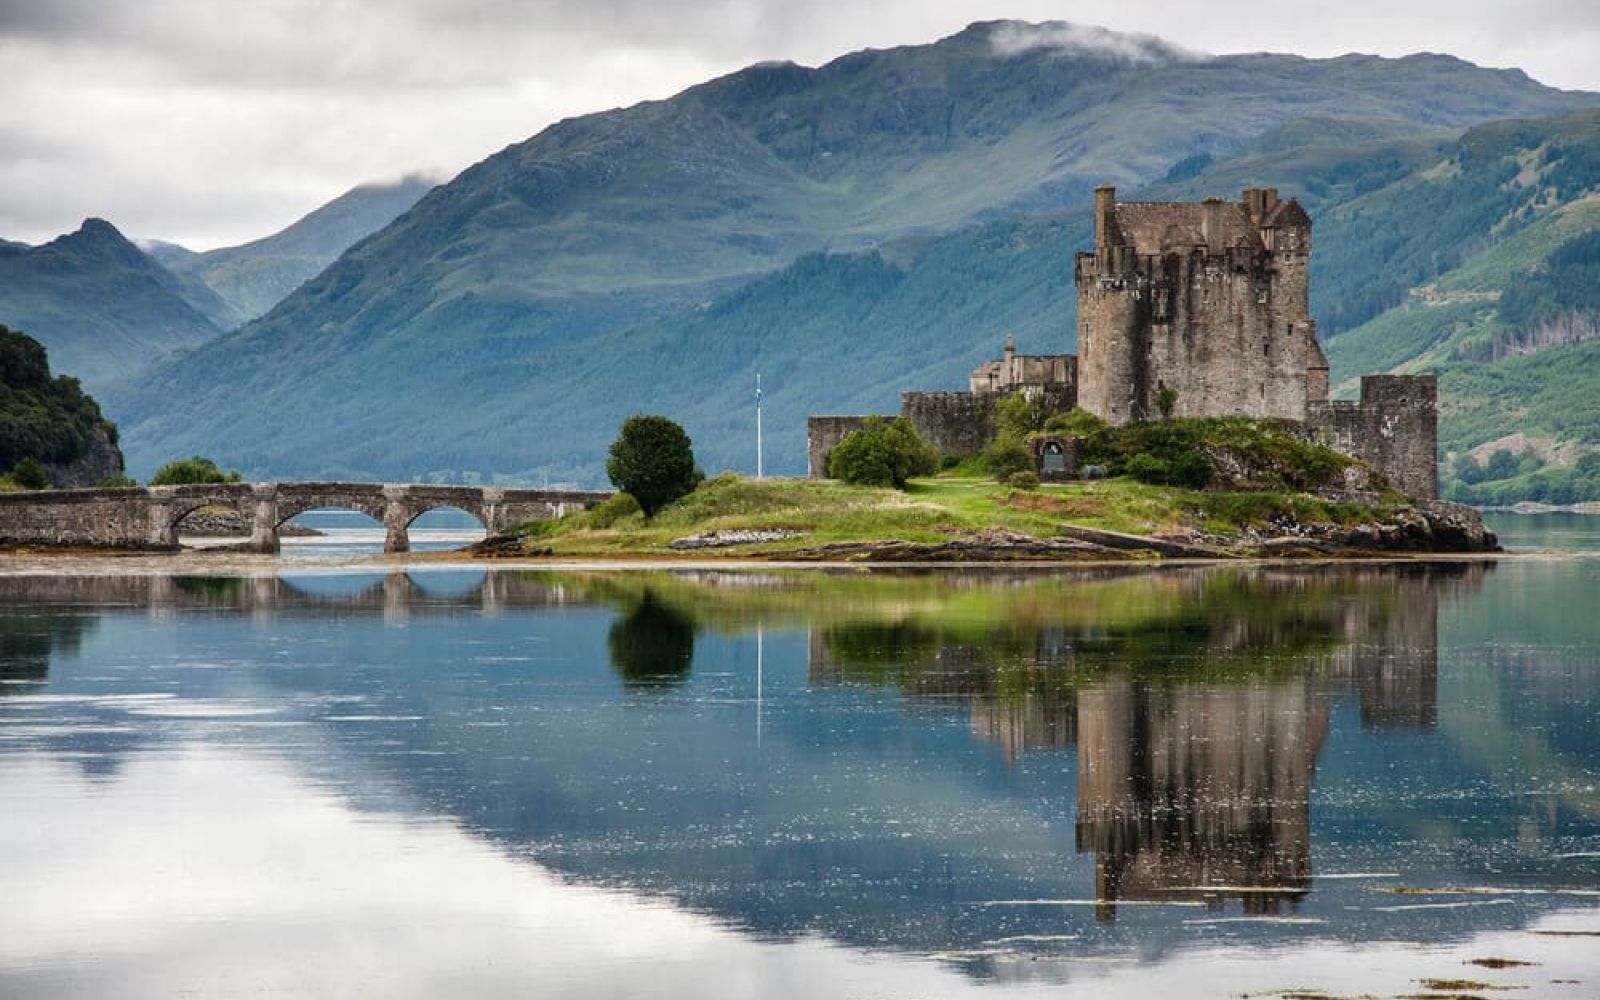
<point x="1207" y="299"/>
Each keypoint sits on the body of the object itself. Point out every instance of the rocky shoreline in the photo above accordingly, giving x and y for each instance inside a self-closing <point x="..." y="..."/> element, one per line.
<point x="1430" y="527"/>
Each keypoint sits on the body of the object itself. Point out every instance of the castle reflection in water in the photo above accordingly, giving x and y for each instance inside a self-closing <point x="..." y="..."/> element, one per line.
<point x="1198" y="701"/>
<point x="1195" y="783"/>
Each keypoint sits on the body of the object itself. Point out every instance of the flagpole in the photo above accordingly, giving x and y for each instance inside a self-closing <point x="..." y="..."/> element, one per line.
<point x="758" y="426"/>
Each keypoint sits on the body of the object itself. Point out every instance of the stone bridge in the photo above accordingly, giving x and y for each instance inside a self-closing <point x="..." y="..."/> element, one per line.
<point x="147" y="517"/>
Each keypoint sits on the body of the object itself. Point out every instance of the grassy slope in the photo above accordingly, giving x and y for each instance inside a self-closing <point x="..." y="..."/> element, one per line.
<point x="930" y="510"/>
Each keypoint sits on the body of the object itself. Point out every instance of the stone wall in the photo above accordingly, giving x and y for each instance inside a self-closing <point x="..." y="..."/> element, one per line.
<point x="1394" y="428"/>
<point x="148" y="517"/>
<point x="822" y="435"/>
<point x="956" y="423"/>
<point x="112" y="518"/>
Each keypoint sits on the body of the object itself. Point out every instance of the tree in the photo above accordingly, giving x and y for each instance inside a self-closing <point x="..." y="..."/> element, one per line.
<point x="882" y="452"/>
<point x="195" y="469"/>
<point x="30" y="475"/>
<point x="653" y="460"/>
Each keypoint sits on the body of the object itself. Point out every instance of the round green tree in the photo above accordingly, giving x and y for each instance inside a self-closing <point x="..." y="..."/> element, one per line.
<point x="653" y="461"/>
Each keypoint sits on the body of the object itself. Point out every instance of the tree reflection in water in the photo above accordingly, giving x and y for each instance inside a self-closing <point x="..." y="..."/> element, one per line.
<point x="652" y="646"/>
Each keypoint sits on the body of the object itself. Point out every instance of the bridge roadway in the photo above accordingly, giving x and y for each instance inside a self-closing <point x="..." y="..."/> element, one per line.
<point x="147" y="517"/>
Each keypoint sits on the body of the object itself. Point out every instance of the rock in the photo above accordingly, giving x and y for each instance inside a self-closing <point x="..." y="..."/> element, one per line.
<point x="1457" y="528"/>
<point x="735" y="536"/>
<point x="102" y="461"/>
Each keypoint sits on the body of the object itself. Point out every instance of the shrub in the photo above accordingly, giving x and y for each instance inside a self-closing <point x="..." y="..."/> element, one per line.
<point x="1024" y="480"/>
<point x="195" y="469"/>
<point x="882" y="452"/>
<point x="1019" y="414"/>
<point x="1166" y="399"/>
<point x="116" y="481"/>
<point x="30" y="475"/>
<point x="613" y="509"/>
<point x="1006" y="457"/>
<point x="652" y="460"/>
<point x="1148" y="468"/>
<point x="1191" y="470"/>
<point x="1076" y="423"/>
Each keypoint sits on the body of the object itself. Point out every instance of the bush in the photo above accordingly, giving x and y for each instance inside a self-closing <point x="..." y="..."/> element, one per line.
<point x="1149" y="469"/>
<point x="30" y="475"/>
<point x="1076" y="423"/>
<point x="652" y="460"/>
<point x="882" y="452"/>
<point x="1006" y="457"/>
<point x="117" y="481"/>
<point x="1019" y="414"/>
<point x="1189" y="470"/>
<point x="613" y="509"/>
<point x="1024" y="480"/>
<point x="195" y="469"/>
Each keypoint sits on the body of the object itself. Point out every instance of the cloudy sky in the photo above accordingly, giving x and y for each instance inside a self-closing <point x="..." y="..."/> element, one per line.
<point x="211" y="122"/>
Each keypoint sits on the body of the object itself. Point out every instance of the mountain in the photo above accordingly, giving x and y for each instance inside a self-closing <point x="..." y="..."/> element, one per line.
<point x="103" y="308"/>
<point x="654" y="257"/>
<point x="254" y="277"/>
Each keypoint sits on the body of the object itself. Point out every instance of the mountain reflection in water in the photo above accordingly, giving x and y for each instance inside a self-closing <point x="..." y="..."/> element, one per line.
<point x="985" y="766"/>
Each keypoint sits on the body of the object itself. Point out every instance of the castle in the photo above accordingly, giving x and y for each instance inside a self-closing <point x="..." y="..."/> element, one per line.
<point x="1203" y="306"/>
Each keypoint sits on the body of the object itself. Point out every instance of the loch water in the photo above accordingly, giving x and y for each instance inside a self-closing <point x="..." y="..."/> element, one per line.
<point x="1198" y="782"/>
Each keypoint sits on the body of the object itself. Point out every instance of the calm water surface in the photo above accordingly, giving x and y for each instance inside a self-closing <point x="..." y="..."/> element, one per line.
<point x="1196" y="782"/>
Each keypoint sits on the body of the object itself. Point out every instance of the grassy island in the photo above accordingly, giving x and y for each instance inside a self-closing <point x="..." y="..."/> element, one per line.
<point x="800" y="517"/>
<point x="1213" y="487"/>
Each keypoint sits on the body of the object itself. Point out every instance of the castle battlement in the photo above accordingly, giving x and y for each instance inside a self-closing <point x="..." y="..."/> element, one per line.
<point x="1206" y="299"/>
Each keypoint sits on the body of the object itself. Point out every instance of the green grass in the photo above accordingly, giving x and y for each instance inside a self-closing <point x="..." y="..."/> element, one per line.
<point x="929" y="510"/>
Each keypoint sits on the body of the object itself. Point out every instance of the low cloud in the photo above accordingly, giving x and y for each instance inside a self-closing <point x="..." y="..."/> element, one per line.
<point x="1015" y="37"/>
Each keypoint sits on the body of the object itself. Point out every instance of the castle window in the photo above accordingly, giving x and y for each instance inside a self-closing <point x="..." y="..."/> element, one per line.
<point x="1266" y="348"/>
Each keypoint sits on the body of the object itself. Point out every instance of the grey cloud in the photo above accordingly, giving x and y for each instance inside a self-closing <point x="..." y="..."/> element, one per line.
<point x="213" y="121"/>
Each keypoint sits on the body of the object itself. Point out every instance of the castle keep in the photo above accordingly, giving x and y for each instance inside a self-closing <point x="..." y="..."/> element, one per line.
<point x="1206" y="300"/>
<point x="1203" y="305"/>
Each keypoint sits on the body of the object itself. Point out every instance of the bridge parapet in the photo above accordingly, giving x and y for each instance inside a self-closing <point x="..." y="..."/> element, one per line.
<point x="148" y="517"/>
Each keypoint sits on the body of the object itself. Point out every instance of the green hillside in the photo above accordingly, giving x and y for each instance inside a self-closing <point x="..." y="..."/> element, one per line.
<point x="103" y="308"/>
<point x="849" y="231"/>
<point x="1505" y="308"/>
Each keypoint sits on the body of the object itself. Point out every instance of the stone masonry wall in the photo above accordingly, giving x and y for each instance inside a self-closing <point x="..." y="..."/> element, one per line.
<point x="956" y="423"/>
<point x="1394" y="428"/>
<point x="822" y="435"/>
